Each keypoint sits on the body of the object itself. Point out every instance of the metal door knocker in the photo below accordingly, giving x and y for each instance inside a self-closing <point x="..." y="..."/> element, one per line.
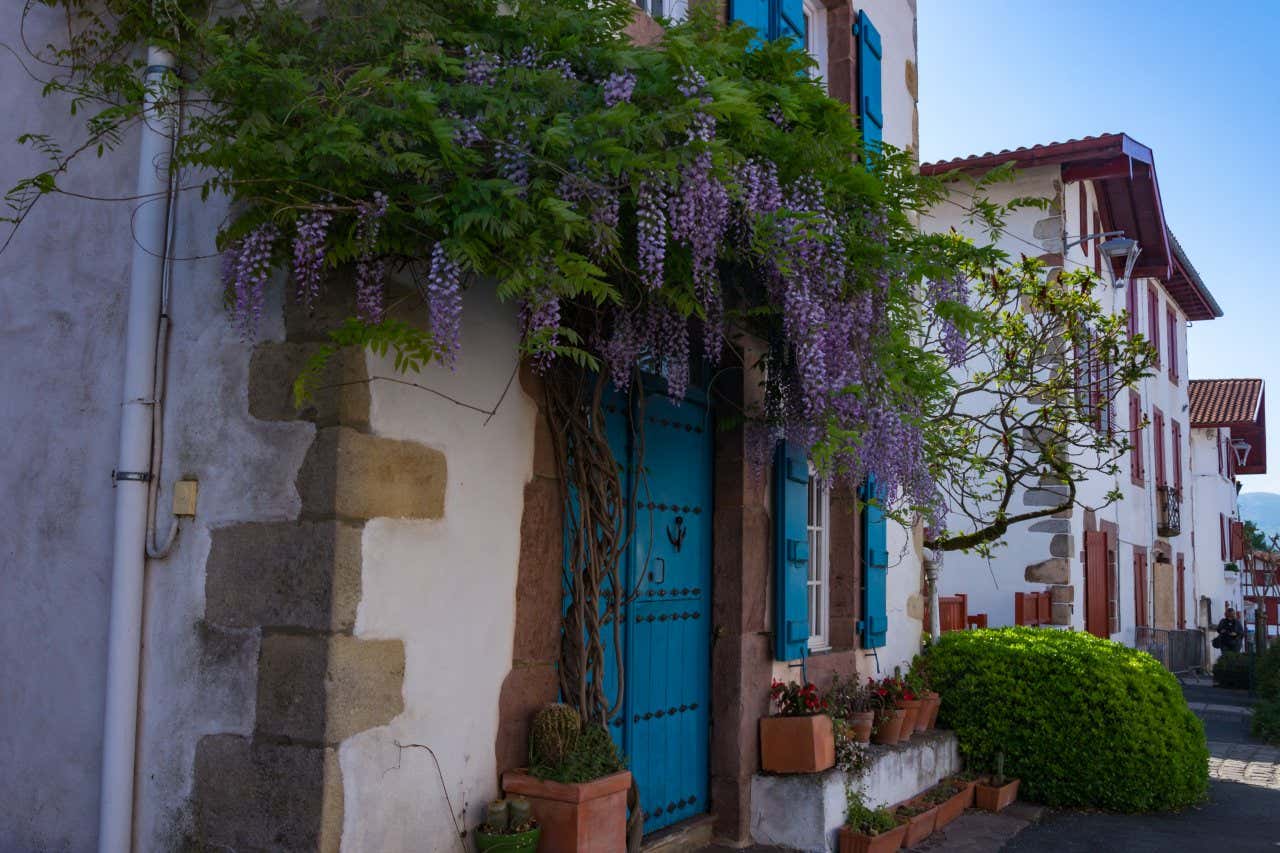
<point x="676" y="538"/>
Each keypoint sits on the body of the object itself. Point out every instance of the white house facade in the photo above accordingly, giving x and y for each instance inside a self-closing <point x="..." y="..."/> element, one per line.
<point x="1122" y="569"/>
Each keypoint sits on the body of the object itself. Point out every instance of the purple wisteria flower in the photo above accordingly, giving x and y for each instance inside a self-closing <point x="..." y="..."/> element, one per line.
<point x="956" y="290"/>
<point x="699" y="216"/>
<point x="480" y="67"/>
<point x="444" y="303"/>
<point x="619" y="87"/>
<point x="370" y="269"/>
<point x="540" y="314"/>
<point x="513" y="161"/>
<point x="246" y="267"/>
<point x="467" y="133"/>
<point x="651" y="232"/>
<point x="309" y="254"/>
<point x="654" y="332"/>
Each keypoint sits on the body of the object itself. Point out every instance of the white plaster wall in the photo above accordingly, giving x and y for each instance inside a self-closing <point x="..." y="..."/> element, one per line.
<point x="447" y="588"/>
<point x="63" y="288"/>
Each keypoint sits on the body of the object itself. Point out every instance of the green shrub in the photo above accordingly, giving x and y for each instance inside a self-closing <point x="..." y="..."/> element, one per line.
<point x="1267" y="674"/>
<point x="1266" y="720"/>
<point x="1232" y="670"/>
<point x="1082" y="721"/>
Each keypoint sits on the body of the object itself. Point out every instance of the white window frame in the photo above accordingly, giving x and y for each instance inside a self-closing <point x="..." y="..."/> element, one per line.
<point x="818" y="588"/>
<point x="815" y="35"/>
<point x="676" y="10"/>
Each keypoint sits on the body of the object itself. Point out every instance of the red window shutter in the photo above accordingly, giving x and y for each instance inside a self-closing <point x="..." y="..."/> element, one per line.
<point x="1237" y="540"/>
<point x="1139" y="587"/>
<point x="1097" y="253"/>
<point x="1135" y="437"/>
<point x="1084" y="217"/>
<point x="1131" y="306"/>
<point x="1222" y="534"/>
<point x="1044" y="608"/>
<point x="1096" y="616"/>
<point x="1182" y="593"/>
<point x="1153" y="320"/>
<point x="1176" y="430"/>
<point x="1157" y="435"/>
<point x="1172" y="336"/>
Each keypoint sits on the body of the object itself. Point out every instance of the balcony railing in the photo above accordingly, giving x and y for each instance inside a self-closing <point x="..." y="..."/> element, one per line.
<point x="1170" y="518"/>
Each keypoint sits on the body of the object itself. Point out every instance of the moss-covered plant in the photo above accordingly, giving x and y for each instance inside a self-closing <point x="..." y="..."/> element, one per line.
<point x="562" y="749"/>
<point x="1036" y="696"/>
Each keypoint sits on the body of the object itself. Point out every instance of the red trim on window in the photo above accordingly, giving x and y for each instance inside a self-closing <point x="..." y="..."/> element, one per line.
<point x="1171" y="318"/>
<point x="1157" y="434"/>
<point x="1136" y="472"/>
<point x="1175" y="429"/>
<point x="1153" y="321"/>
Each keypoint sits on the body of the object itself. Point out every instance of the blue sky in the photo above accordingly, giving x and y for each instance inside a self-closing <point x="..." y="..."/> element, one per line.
<point x="1198" y="83"/>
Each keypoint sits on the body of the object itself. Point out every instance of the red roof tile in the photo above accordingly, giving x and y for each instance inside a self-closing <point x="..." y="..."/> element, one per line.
<point x="1224" y="402"/>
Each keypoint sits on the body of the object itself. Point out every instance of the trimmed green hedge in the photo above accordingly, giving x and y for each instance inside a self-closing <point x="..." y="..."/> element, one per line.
<point x="1231" y="669"/>
<point x="1082" y="721"/>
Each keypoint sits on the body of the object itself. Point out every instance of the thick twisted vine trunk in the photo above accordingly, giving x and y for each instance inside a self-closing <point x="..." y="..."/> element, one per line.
<point x="598" y="530"/>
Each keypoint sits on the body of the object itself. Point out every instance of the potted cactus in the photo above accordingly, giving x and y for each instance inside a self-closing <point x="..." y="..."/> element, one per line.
<point x="997" y="793"/>
<point x="576" y="783"/>
<point x="509" y="827"/>
<point x="800" y="738"/>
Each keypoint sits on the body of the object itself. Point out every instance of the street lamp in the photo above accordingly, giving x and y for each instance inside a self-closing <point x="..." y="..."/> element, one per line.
<point x="1241" y="449"/>
<point x="1117" y="248"/>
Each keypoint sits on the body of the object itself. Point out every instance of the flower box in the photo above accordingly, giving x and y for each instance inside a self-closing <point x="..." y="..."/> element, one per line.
<point x="994" y="798"/>
<point x="797" y="744"/>
<point x="579" y="817"/>
<point x="920" y="826"/>
<point x="856" y="842"/>
<point x="950" y="809"/>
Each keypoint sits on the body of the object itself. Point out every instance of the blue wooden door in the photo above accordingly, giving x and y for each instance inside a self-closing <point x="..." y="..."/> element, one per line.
<point x="664" y="724"/>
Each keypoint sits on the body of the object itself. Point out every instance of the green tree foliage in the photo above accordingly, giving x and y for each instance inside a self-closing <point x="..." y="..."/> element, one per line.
<point x="1084" y="722"/>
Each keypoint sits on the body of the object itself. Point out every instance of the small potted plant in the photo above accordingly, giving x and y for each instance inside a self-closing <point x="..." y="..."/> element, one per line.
<point x="799" y="738"/>
<point x="576" y="783"/>
<point x="995" y="794"/>
<point x="509" y="827"/>
<point x="868" y="830"/>
<point x="918" y="680"/>
<point x="920" y="818"/>
<point x="855" y="704"/>
<point x="889" y="718"/>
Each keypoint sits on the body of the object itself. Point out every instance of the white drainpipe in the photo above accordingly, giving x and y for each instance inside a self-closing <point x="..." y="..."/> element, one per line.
<point x="115" y="819"/>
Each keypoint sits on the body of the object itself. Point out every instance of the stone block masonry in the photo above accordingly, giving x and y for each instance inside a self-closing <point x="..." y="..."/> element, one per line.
<point x="296" y="587"/>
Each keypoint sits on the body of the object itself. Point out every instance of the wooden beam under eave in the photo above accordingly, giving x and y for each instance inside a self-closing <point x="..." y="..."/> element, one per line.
<point x="1115" y="167"/>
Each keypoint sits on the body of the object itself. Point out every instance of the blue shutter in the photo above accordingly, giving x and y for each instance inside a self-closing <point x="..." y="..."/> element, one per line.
<point x="754" y="14"/>
<point x="791" y="552"/>
<point x="869" y="56"/>
<point x="875" y="570"/>
<point x="791" y="22"/>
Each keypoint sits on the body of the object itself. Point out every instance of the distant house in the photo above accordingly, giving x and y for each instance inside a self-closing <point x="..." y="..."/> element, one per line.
<point x="1228" y="440"/>
<point x="1135" y="567"/>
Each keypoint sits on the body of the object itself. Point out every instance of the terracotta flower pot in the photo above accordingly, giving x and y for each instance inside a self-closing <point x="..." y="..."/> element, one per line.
<point x="912" y="708"/>
<point x="797" y="744"/>
<point x="579" y="817"/>
<point x="949" y="810"/>
<point x="888" y="726"/>
<point x="920" y="827"/>
<point x="862" y="722"/>
<point x="995" y="798"/>
<point x="856" y="842"/>
<point x="928" y="711"/>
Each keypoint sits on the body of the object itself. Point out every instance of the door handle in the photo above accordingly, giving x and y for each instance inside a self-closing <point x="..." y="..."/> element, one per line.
<point x="663" y="577"/>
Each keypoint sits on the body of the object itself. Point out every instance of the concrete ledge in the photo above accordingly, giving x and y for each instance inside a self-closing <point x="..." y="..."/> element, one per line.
<point x="805" y="812"/>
